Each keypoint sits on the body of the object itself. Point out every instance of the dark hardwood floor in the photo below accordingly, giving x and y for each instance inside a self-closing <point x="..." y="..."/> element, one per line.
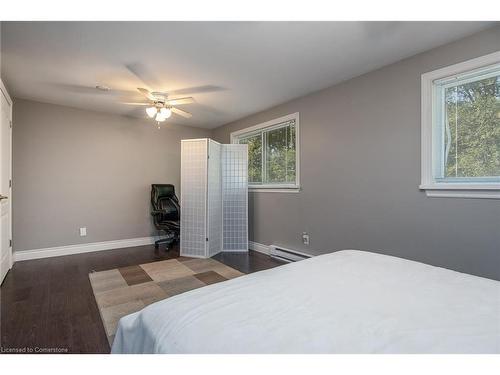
<point x="49" y="304"/>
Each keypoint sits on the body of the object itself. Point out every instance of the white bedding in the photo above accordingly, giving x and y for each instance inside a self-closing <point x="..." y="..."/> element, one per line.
<point x="345" y="302"/>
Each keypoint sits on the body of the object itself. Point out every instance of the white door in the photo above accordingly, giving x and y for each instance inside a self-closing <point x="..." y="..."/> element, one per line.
<point x="5" y="184"/>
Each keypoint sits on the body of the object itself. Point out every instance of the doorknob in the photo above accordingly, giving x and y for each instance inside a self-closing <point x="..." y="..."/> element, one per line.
<point x="3" y="197"/>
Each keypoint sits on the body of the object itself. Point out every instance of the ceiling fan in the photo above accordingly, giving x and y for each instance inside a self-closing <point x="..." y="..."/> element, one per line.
<point x="160" y="107"/>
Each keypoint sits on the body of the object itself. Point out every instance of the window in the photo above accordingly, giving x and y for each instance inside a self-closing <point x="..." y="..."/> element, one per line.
<point x="461" y="129"/>
<point x="272" y="154"/>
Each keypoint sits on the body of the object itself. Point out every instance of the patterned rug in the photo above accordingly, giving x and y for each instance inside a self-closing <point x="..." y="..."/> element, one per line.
<point x="122" y="291"/>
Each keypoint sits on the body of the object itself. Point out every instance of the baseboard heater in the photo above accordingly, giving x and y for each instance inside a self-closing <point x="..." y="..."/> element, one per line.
<point x="288" y="255"/>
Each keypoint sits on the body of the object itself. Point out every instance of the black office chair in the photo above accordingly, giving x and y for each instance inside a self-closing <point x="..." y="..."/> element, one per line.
<point x="166" y="213"/>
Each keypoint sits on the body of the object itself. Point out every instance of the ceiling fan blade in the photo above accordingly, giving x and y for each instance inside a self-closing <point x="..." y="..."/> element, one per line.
<point x="180" y="112"/>
<point x="135" y="103"/>
<point x="144" y="74"/>
<point x="146" y="93"/>
<point x="197" y="90"/>
<point x="180" y="101"/>
<point x="159" y="93"/>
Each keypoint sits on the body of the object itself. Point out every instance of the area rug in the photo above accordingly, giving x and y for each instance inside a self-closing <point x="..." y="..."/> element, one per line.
<point x="123" y="291"/>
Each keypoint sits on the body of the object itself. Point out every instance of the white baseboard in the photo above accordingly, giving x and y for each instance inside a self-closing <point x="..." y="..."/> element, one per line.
<point x="81" y="248"/>
<point x="49" y="252"/>
<point x="264" y="249"/>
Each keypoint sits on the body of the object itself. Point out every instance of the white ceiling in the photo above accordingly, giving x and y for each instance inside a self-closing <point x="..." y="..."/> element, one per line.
<point x="232" y="69"/>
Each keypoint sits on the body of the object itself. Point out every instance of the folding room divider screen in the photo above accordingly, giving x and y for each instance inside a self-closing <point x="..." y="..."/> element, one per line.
<point x="214" y="197"/>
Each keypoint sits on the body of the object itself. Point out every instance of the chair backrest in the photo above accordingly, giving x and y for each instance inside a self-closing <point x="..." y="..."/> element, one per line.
<point x="163" y="198"/>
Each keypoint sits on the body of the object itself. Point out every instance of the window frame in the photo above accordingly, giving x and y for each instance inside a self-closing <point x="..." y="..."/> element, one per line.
<point x="270" y="125"/>
<point x="431" y="144"/>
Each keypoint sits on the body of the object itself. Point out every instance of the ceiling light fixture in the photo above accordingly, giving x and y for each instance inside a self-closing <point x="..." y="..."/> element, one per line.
<point x="151" y="111"/>
<point x="159" y="117"/>
<point x="159" y="107"/>
<point x="166" y="112"/>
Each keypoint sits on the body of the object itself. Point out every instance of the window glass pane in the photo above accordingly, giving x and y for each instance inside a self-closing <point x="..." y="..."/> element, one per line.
<point x="472" y="129"/>
<point x="272" y="154"/>
<point x="276" y="147"/>
<point x="280" y="155"/>
<point x="254" y="158"/>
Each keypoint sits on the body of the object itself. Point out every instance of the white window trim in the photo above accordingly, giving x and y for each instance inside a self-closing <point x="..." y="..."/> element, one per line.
<point x="428" y="183"/>
<point x="276" y="188"/>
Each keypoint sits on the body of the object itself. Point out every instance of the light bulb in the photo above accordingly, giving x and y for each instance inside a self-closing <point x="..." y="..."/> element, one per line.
<point x="159" y="117"/>
<point x="166" y="112"/>
<point x="151" y="111"/>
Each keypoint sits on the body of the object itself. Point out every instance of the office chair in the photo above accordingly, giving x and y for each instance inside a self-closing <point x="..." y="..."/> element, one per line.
<point x="165" y="212"/>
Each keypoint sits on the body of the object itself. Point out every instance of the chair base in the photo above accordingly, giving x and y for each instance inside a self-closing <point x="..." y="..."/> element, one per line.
<point x="168" y="241"/>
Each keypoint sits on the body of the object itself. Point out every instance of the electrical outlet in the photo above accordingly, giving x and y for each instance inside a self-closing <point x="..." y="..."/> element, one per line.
<point x="83" y="232"/>
<point x="305" y="238"/>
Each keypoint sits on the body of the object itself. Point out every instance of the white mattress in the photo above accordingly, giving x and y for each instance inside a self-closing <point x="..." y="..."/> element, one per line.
<point x="345" y="302"/>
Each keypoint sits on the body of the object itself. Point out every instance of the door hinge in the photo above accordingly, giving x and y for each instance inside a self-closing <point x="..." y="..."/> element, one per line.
<point x="206" y="239"/>
<point x="10" y="123"/>
<point x="10" y="243"/>
<point x="10" y="183"/>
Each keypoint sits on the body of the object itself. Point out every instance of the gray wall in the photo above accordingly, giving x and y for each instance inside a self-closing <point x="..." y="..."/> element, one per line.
<point x="74" y="168"/>
<point x="360" y="171"/>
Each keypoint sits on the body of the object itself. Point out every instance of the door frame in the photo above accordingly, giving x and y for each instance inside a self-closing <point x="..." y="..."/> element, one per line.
<point x="5" y="93"/>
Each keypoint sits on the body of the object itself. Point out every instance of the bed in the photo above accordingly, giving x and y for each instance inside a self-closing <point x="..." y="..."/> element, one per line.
<point x="345" y="302"/>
